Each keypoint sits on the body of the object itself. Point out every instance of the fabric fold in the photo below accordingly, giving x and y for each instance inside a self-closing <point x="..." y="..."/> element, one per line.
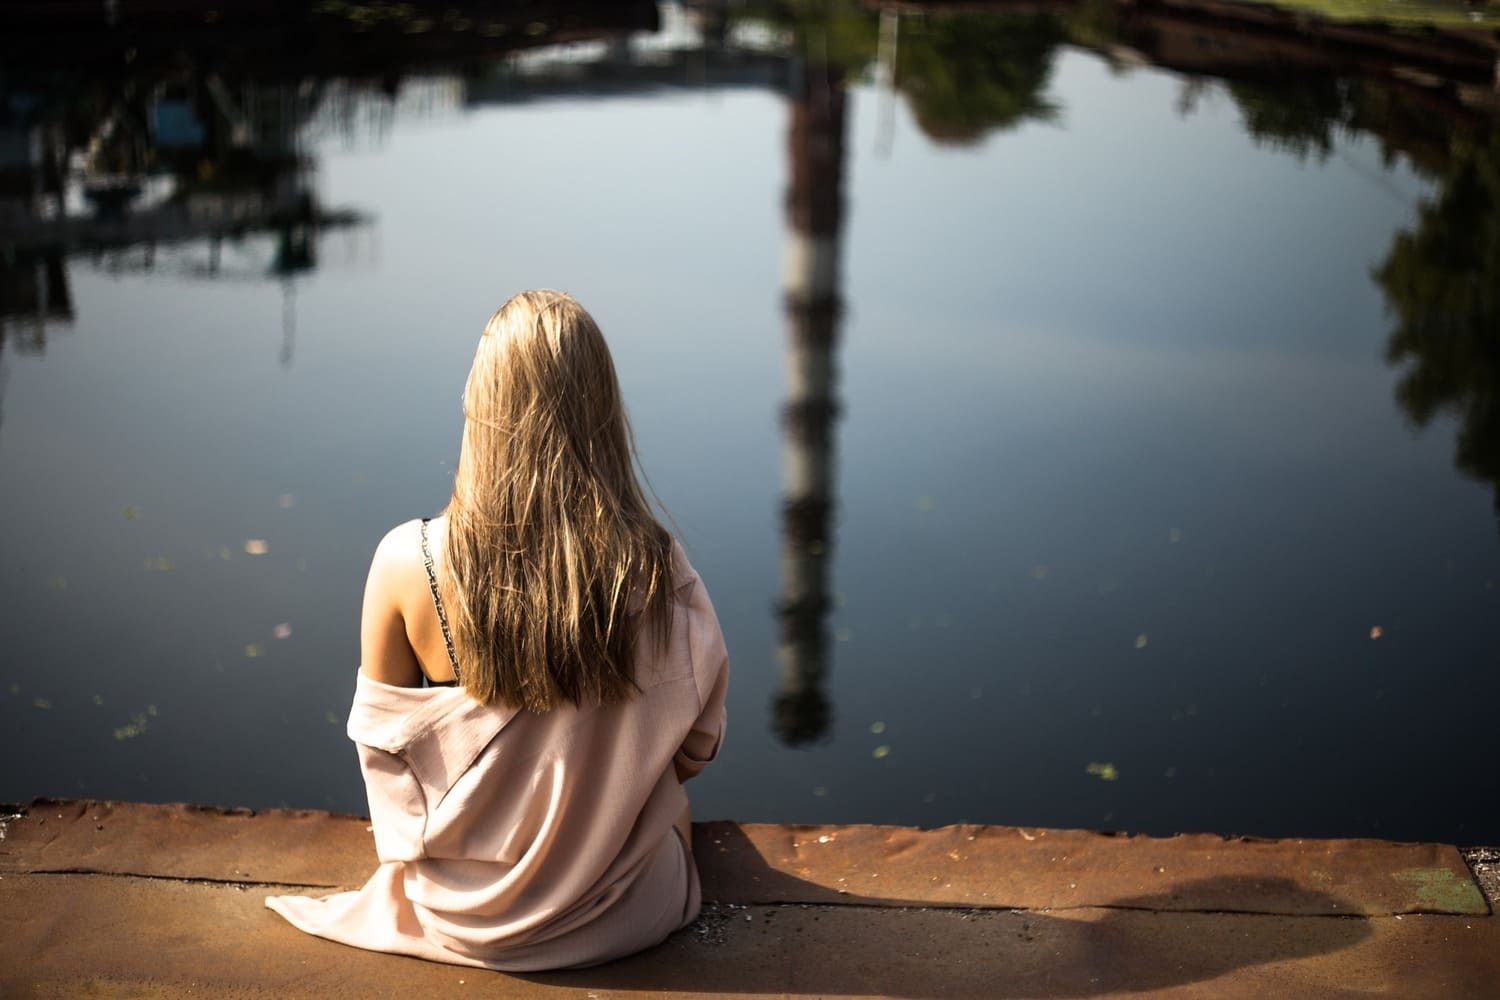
<point x="521" y="841"/>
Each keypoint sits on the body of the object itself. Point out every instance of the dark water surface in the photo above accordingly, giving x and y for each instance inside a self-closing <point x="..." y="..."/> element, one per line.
<point x="1152" y="485"/>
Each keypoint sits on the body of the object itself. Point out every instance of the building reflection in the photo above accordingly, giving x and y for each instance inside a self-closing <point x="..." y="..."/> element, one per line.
<point x="153" y="138"/>
<point x="34" y="292"/>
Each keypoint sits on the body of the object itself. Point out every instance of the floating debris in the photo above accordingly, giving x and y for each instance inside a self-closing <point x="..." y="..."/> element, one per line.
<point x="151" y="710"/>
<point x="224" y="552"/>
<point x="1039" y="572"/>
<point x="286" y="501"/>
<point x="159" y="563"/>
<point x="256" y="546"/>
<point x="820" y="792"/>
<point x="330" y="718"/>
<point x="1376" y="632"/>
<point x="98" y="699"/>
<point x="1104" y="772"/>
<point x="881" y="751"/>
<point x="925" y="504"/>
<point x="254" y="649"/>
<point x="1174" y="536"/>
<point x="135" y="727"/>
<point x="282" y="631"/>
<point x="877" y="728"/>
<point x="1140" y="641"/>
<point x="131" y="512"/>
<point x="41" y="703"/>
<point x="58" y="583"/>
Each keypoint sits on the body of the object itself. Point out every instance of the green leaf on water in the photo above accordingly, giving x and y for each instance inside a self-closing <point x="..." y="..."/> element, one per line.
<point x="131" y="512"/>
<point x="881" y="751"/>
<point x="135" y="727"/>
<point x="42" y="703"/>
<point x="1104" y="772"/>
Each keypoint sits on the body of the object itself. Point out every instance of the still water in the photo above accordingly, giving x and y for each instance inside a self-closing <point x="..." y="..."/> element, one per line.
<point x="1066" y="440"/>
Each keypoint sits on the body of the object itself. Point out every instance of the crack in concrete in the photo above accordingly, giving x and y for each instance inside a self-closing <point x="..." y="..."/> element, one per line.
<point x="199" y="879"/>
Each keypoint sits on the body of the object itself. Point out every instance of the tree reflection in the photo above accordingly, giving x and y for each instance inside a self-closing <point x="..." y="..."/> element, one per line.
<point x="965" y="76"/>
<point x="1441" y="277"/>
<point x="1441" y="280"/>
<point x="1302" y="120"/>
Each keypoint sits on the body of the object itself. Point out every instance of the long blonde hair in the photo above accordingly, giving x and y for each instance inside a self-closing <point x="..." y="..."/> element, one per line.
<point x="554" y="558"/>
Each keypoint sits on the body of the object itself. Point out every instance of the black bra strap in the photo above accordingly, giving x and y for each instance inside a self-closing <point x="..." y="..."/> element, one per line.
<point x="437" y="600"/>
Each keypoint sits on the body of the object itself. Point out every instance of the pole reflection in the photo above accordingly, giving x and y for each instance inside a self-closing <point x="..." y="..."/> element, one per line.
<point x="814" y="208"/>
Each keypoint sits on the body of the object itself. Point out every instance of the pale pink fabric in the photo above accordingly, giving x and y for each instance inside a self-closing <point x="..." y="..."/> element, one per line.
<point x="517" y="841"/>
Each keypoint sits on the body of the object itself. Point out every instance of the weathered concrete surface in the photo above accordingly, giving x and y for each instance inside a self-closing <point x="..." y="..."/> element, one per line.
<point x="132" y="900"/>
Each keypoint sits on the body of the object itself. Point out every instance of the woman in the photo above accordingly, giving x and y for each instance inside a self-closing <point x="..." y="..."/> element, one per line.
<point x="540" y="671"/>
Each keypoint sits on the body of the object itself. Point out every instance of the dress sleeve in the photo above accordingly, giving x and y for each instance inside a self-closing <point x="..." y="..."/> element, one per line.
<point x="711" y="671"/>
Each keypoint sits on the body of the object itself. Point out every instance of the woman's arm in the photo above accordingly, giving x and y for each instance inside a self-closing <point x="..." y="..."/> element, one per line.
<point x="385" y="655"/>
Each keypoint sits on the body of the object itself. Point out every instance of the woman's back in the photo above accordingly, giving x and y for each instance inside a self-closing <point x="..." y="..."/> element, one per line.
<point x="532" y="816"/>
<point x="519" y="840"/>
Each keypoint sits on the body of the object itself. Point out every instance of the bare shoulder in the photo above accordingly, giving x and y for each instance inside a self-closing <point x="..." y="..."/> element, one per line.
<point x="399" y="550"/>
<point x="385" y="652"/>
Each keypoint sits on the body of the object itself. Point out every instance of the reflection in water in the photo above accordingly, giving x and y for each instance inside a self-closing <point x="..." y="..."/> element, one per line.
<point x="1441" y="280"/>
<point x="192" y="159"/>
<point x="814" y="207"/>
<point x="33" y="293"/>
<point x="178" y="160"/>
<point x="963" y="76"/>
<point x="966" y="76"/>
<point x="162" y="129"/>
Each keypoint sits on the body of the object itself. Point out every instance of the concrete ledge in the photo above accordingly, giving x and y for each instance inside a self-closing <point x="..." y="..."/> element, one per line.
<point x="1010" y="867"/>
<point x="991" y="867"/>
<point x="123" y="899"/>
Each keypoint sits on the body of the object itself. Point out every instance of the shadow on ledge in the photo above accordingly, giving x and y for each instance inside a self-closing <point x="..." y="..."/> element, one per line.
<point x="868" y="944"/>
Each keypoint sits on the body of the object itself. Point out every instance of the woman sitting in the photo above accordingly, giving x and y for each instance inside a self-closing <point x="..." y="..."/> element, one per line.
<point x="541" y="669"/>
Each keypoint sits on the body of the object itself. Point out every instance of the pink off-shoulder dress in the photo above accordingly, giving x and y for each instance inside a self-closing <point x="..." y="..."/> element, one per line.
<point x="521" y="841"/>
